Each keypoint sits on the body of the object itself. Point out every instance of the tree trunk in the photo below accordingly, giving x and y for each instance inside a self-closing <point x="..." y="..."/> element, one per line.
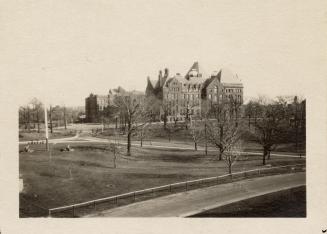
<point x="65" y="121"/>
<point x="141" y="141"/>
<point x="230" y="169"/>
<point x="129" y="134"/>
<point x="195" y="146"/>
<point x="28" y="120"/>
<point x="169" y="135"/>
<point x="264" y="156"/>
<point x="296" y="138"/>
<point x="205" y="139"/>
<point x="128" y="143"/>
<point x="165" y="121"/>
<point x="114" y="158"/>
<point x="38" y="121"/>
<point x="268" y="154"/>
<point x="50" y="116"/>
<point x="220" y="154"/>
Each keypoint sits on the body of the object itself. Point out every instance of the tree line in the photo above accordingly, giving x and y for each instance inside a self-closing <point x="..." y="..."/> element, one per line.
<point x="31" y="115"/>
<point x="225" y="125"/>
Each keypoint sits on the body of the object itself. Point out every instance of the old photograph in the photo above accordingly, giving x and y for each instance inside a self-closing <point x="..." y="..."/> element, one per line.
<point x="203" y="110"/>
<point x="164" y="136"/>
<point x="189" y="146"/>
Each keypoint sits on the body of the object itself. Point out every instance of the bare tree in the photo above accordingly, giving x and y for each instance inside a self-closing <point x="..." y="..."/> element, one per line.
<point x="196" y="131"/>
<point x="232" y="153"/>
<point x="270" y="126"/>
<point x="24" y="117"/>
<point x="205" y="117"/>
<point x="165" y="110"/>
<point x="131" y="108"/>
<point x="115" y="148"/>
<point x="50" y="118"/>
<point x="143" y="132"/>
<point x="224" y="131"/>
<point x="38" y="111"/>
<point x="65" y="117"/>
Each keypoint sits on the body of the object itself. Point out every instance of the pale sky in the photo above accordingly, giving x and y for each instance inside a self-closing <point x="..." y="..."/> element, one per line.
<point x="62" y="50"/>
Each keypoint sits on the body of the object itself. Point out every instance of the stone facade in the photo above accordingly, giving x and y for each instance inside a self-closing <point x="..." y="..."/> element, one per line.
<point x="192" y="94"/>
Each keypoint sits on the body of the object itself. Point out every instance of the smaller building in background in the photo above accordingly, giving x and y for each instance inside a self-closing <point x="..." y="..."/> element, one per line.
<point x="94" y="106"/>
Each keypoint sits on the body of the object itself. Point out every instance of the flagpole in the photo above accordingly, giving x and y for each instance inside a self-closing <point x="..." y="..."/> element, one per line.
<point x="46" y="127"/>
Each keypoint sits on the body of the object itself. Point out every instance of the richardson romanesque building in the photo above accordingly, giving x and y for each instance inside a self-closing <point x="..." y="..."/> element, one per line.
<point x="192" y="94"/>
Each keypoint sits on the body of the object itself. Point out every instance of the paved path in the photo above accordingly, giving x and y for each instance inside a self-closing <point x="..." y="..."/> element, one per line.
<point x="158" y="145"/>
<point x="193" y="202"/>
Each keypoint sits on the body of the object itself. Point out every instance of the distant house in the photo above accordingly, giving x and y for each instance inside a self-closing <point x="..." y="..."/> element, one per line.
<point x="94" y="105"/>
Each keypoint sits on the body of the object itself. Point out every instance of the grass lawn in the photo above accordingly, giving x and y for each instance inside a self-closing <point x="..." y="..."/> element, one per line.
<point x="249" y="146"/>
<point x="87" y="173"/>
<point x="34" y="135"/>
<point x="287" y="203"/>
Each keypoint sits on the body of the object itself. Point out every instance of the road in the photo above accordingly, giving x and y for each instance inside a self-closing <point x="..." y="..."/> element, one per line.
<point x="196" y="201"/>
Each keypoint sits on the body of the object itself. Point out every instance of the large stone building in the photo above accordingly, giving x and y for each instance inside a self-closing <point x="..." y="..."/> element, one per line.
<point x="192" y="94"/>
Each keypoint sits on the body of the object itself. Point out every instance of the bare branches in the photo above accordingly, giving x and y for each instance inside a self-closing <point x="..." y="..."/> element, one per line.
<point x="270" y="124"/>
<point x="224" y="131"/>
<point x="232" y="153"/>
<point x="132" y="109"/>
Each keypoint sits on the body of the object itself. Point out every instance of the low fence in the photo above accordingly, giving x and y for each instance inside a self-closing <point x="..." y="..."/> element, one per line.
<point x="84" y="208"/>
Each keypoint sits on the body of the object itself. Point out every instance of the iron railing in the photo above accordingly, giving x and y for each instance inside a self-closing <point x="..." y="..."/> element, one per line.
<point x="126" y="198"/>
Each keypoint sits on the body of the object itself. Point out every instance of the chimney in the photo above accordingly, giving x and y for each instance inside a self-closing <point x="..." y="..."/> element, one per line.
<point x="160" y="78"/>
<point x="166" y="73"/>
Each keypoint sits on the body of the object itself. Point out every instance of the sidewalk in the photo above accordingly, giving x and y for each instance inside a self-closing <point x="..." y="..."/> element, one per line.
<point x="196" y="201"/>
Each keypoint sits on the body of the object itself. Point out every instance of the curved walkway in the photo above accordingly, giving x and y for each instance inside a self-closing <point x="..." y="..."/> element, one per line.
<point x="159" y="145"/>
<point x="196" y="201"/>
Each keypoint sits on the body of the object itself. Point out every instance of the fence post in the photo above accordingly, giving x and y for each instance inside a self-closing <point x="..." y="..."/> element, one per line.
<point x="186" y="186"/>
<point x="134" y="196"/>
<point x="49" y="213"/>
<point x="94" y="205"/>
<point x="170" y="188"/>
<point x="152" y="192"/>
<point x="73" y="211"/>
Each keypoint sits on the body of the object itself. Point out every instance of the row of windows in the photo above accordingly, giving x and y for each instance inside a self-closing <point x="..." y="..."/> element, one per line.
<point x="191" y="96"/>
<point x="233" y="90"/>
<point x="214" y="96"/>
<point x="192" y="86"/>
<point x="183" y="103"/>
<point x="174" y="89"/>
<point x="185" y="96"/>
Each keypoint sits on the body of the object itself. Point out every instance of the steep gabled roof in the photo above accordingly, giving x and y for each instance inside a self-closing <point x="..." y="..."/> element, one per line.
<point x="208" y="81"/>
<point x="152" y="82"/>
<point x="227" y="77"/>
<point x="198" y="69"/>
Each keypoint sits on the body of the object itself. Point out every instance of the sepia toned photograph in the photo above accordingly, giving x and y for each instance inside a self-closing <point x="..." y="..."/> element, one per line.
<point x="204" y="110"/>
<point x="205" y="141"/>
<point x="189" y="146"/>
